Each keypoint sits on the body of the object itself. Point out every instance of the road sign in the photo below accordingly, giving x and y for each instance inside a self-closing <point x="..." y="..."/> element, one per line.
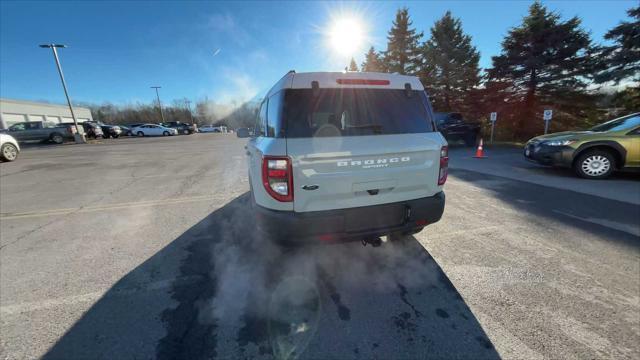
<point x="493" y="117"/>
<point x="546" y="116"/>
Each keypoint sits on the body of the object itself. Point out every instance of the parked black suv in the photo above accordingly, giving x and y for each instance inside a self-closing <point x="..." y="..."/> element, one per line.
<point x="453" y="127"/>
<point x="182" y="128"/>
<point x="92" y="130"/>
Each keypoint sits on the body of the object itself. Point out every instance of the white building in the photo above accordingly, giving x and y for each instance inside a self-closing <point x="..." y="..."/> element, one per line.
<point x="15" y="111"/>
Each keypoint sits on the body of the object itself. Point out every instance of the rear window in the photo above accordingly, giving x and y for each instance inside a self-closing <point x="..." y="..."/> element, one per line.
<point x="352" y="112"/>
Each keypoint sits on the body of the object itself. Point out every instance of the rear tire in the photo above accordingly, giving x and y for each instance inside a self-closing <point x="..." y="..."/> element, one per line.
<point x="595" y="164"/>
<point x="140" y="133"/>
<point x="57" y="138"/>
<point x="166" y="133"/>
<point x="8" y="152"/>
<point x="185" y="132"/>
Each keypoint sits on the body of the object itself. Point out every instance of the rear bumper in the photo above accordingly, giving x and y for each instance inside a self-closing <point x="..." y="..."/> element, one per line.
<point x="549" y="155"/>
<point x="347" y="224"/>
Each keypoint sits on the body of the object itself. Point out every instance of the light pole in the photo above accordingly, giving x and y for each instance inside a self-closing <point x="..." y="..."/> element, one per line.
<point x="188" y="102"/>
<point x="78" y="137"/>
<point x="159" y="104"/>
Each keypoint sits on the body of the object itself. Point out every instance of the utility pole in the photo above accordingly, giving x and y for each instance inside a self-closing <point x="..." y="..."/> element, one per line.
<point x="159" y="103"/>
<point x="78" y="137"/>
<point x="188" y="102"/>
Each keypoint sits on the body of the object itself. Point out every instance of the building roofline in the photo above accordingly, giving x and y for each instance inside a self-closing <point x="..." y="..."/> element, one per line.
<point x="29" y="102"/>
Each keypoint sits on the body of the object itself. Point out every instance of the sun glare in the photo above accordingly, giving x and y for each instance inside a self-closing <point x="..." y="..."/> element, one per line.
<point x="346" y="36"/>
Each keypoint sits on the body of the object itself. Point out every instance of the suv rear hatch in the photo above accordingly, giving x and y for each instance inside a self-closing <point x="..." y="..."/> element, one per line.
<point x="354" y="147"/>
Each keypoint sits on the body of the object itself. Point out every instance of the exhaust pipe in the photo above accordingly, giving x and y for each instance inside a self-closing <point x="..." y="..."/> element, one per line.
<point x="373" y="241"/>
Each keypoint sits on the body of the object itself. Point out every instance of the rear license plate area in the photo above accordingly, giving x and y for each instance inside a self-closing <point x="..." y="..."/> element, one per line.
<point x="374" y="218"/>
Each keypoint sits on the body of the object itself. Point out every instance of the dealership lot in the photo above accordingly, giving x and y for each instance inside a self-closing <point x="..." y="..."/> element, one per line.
<point x="140" y="248"/>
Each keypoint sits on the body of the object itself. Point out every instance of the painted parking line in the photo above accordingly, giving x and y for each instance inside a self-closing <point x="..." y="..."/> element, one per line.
<point x="117" y="206"/>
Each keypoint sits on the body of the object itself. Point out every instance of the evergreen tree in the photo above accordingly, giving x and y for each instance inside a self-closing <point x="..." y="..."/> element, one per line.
<point x="402" y="46"/>
<point x="372" y="61"/>
<point x="353" y="66"/>
<point x="546" y="62"/>
<point x="449" y="64"/>
<point x="622" y="60"/>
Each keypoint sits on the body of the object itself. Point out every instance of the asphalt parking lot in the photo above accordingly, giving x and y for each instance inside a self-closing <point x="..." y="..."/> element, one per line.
<point x="144" y="248"/>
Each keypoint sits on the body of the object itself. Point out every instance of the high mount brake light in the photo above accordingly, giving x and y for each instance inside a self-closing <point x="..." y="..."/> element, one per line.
<point x="444" y="165"/>
<point x="362" y="82"/>
<point x="277" y="177"/>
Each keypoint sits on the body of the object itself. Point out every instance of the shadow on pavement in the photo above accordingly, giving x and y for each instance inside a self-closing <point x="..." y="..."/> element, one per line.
<point x="238" y="296"/>
<point x="605" y="217"/>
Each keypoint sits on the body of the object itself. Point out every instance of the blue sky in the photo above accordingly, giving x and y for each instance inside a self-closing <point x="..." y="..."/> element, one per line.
<point x="118" y="49"/>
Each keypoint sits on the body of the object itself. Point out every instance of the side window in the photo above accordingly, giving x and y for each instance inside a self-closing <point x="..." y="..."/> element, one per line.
<point x="261" y="122"/>
<point x="17" y="127"/>
<point x="635" y="131"/>
<point x="274" y="114"/>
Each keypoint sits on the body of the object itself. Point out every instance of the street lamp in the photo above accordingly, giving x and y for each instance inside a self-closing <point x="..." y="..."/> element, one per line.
<point x="159" y="104"/>
<point x="78" y="137"/>
<point x="188" y="102"/>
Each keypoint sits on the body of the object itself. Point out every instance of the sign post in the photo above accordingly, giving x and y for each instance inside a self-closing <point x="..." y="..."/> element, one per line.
<point x="547" y="115"/>
<point x="493" y="118"/>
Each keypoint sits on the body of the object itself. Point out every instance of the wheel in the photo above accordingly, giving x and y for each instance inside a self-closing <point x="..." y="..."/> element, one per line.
<point x="185" y="132"/>
<point x="140" y="133"/>
<point x="9" y="152"/>
<point x="595" y="164"/>
<point x="57" y="138"/>
<point x="105" y="136"/>
<point x="116" y="136"/>
<point x="166" y="133"/>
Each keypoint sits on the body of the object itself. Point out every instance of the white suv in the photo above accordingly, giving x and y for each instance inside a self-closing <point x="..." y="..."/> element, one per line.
<point x="338" y="156"/>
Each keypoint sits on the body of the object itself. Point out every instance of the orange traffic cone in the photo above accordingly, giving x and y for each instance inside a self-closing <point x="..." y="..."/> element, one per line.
<point x="479" y="151"/>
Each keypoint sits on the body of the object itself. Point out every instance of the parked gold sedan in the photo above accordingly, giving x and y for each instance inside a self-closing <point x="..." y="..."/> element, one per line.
<point x="593" y="154"/>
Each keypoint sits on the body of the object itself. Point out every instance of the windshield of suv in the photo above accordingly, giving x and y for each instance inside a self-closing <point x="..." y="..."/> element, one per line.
<point x="354" y="112"/>
<point x="622" y="123"/>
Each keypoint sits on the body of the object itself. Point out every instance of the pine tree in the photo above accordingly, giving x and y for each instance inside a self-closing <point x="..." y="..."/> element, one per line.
<point x="622" y="60"/>
<point x="546" y="62"/>
<point x="402" y="46"/>
<point x="353" y="66"/>
<point x="449" y="64"/>
<point x="372" y="61"/>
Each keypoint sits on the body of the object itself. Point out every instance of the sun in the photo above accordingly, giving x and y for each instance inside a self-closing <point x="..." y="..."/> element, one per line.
<point x="346" y="36"/>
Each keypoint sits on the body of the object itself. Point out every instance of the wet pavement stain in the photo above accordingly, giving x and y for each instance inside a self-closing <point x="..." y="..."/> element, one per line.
<point x="441" y="313"/>
<point x="187" y="337"/>
<point x="403" y="296"/>
<point x="344" y="313"/>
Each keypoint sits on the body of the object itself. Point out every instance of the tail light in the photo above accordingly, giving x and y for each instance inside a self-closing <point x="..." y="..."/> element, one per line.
<point x="444" y="165"/>
<point x="277" y="177"/>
